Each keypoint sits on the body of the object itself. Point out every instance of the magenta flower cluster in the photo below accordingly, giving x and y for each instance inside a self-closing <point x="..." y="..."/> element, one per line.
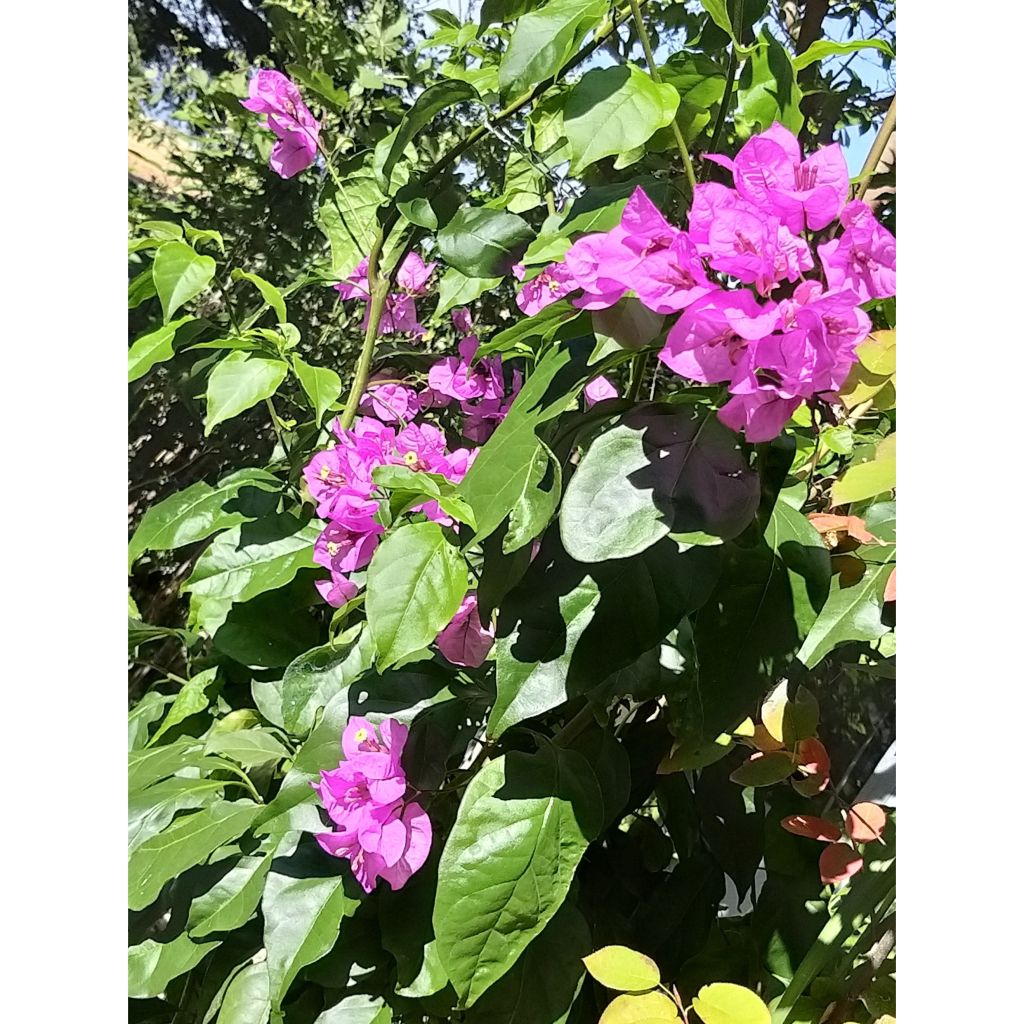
<point x="340" y="481"/>
<point x="787" y="336"/>
<point x="399" y="316"/>
<point x="297" y="130"/>
<point x="376" y="828"/>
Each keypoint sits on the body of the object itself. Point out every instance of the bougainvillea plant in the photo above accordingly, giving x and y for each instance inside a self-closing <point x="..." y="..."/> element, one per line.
<point x="522" y="679"/>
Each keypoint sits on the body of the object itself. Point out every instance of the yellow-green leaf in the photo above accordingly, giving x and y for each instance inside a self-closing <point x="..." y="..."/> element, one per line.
<point x="725" y="1003"/>
<point x="788" y="721"/>
<point x="764" y="769"/>
<point x="623" y="969"/>
<point x="649" y="1008"/>
<point x="866" y="479"/>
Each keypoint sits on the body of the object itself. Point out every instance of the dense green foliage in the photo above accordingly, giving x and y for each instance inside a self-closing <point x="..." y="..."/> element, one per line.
<point x="668" y="599"/>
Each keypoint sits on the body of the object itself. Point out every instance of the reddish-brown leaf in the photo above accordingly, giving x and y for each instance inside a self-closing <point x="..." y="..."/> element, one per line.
<point x="865" y="822"/>
<point x="853" y="526"/>
<point x="810" y="827"/>
<point x="838" y="862"/>
<point x="814" y="765"/>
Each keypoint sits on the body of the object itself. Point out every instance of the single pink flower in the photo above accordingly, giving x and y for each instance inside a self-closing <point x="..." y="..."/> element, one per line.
<point x="599" y="389"/>
<point x="465" y="640"/>
<point x="390" y="402"/>
<point x="670" y="279"/>
<point x="554" y="282"/>
<point x="297" y="131"/>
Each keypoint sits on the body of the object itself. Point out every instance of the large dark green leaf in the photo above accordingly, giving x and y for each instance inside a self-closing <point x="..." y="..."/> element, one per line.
<point x="428" y="104"/>
<point x="664" y="469"/>
<point x="479" y="242"/>
<point x="544" y="40"/>
<point x="200" y="510"/>
<point x="187" y="842"/>
<point x="542" y="985"/>
<point x="613" y="110"/>
<point x="523" y="825"/>
<point x="180" y="274"/>
<point x="501" y="472"/>
<point x="273" y="629"/>
<point x="152" y="965"/>
<point x="416" y="582"/>
<point x="233" y="898"/>
<point x="246" y="561"/>
<point x="745" y="637"/>
<point x="304" y="902"/>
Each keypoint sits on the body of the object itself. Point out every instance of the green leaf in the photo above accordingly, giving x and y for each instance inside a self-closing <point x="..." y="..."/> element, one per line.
<point x="455" y="289"/>
<point x="866" y="479"/>
<point x="153" y="965"/>
<point x="415" y="584"/>
<point x="155" y="347"/>
<point x="523" y="825"/>
<point x="151" y="810"/>
<point x="304" y="903"/>
<point x="534" y="507"/>
<point x="319" y="82"/>
<point x="191" y="699"/>
<point x="612" y="110"/>
<point x="233" y="898"/>
<point x="141" y="288"/>
<point x="271" y="294"/>
<point x="479" y="242"/>
<point x="237" y="383"/>
<point x="764" y="770"/>
<point x="496" y="12"/>
<point x="745" y="636"/>
<point x="533" y="660"/>
<point x="357" y="1009"/>
<point x="664" y="469"/>
<point x="822" y="48"/>
<point x="314" y="678"/>
<point x="348" y="215"/>
<point x="246" y="561"/>
<point x="248" y="747"/>
<point x="187" y="842"/>
<point x="501" y="471"/>
<point x="767" y="90"/>
<point x="429" y="103"/>
<point x="544" y="40"/>
<point x="851" y="613"/>
<point x="726" y="1003"/>
<point x="789" y="721"/>
<point x="623" y="969"/>
<point x="719" y="12"/>
<point x="149" y="709"/>
<point x="649" y="1008"/>
<point x="272" y="629"/>
<point x="197" y="236"/>
<point x="247" y="998"/>
<point x="193" y="514"/>
<point x="321" y="385"/>
<point x="180" y="274"/>
<point x="542" y="985"/>
<point x="799" y="546"/>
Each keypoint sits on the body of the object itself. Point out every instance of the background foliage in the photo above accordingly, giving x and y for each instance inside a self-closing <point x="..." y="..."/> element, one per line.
<point x="601" y="736"/>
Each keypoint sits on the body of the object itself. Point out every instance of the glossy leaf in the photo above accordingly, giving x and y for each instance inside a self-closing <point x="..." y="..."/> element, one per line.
<point x="522" y="827"/>
<point x="237" y="383"/>
<point x="187" y="842"/>
<point x="662" y="470"/>
<point x="544" y="40"/>
<point x="623" y="969"/>
<point x="179" y="275"/>
<point x="612" y="110"/>
<point x="153" y="965"/>
<point x="767" y="91"/>
<point x="304" y="902"/>
<point x="455" y="289"/>
<point x="192" y="698"/>
<point x="416" y="582"/>
<point x="649" y="1008"/>
<point x="822" y="48"/>
<point x="246" y="561"/>
<point x="536" y="503"/>
<point x="764" y="769"/>
<point x="479" y="242"/>
<point x="247" y="997"/>
<point x="248" y="747"/>
<point x="151" y="810"/>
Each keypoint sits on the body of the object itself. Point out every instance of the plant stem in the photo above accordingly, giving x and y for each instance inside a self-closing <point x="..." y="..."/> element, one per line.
<point x="877" y="148"/>
<point x="723" y="109"/>
<point x="636" y="376"/>
<point x="379" y="287"/>
<point x="652" y="70"/>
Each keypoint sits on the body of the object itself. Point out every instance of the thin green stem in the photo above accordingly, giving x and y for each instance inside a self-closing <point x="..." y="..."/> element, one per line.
<point x="275" y="422"/>
<point x="652" y="70"/>
<point x="636" y="376"/>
